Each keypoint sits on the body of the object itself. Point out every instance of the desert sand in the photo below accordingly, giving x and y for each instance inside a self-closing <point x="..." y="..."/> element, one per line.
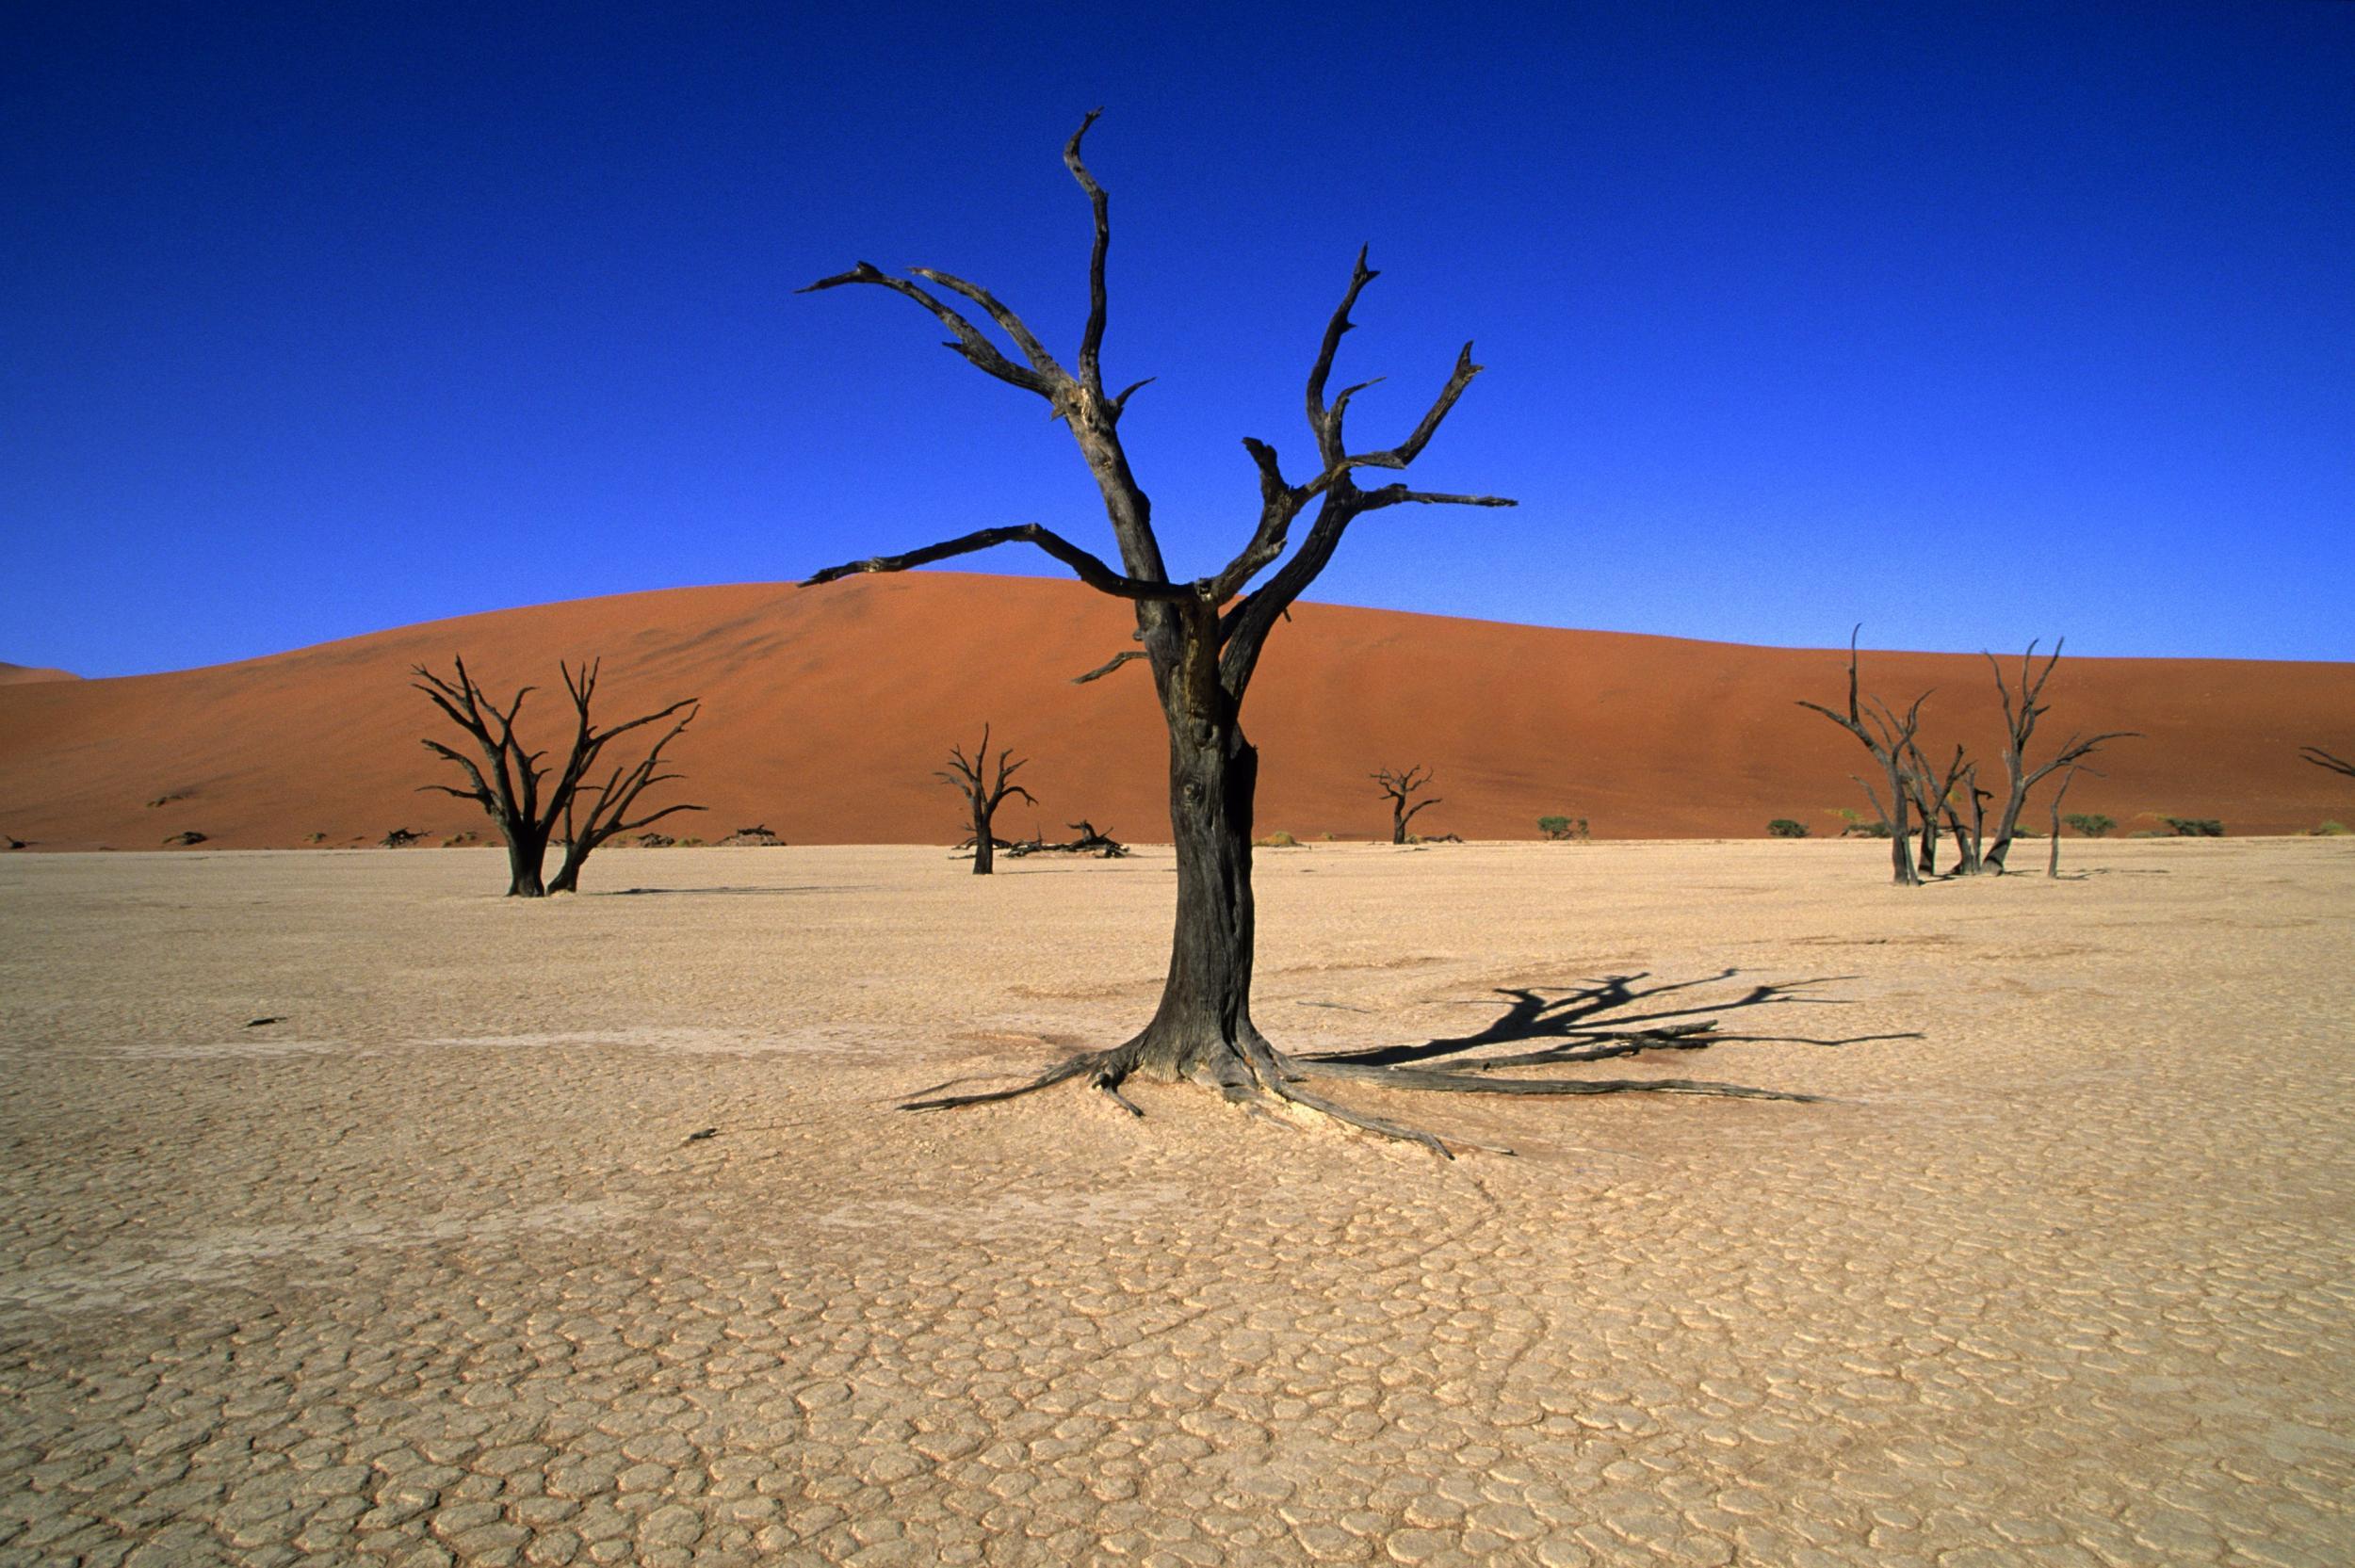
<point x="430" y="1268"/>
<point x="827" y="710"/>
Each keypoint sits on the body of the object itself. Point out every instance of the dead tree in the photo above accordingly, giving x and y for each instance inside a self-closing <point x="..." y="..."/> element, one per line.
<point x="1935" y="796"/>
<point x="2051" y="867"/>
<point x="984" y="793"/>
<point x="1202" y="639"/>
<point x="1399" y="788"/>
<point x="2020" y="716"/>
<point x="615" y="798"/>
<point x="1890" y="739"/>
<point x="2321" y="758"/>
<point x="509" y="783"/>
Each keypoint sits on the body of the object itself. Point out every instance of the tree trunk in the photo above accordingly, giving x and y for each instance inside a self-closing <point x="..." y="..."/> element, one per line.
<point x="984" y="845"/>
<point x="525" y="852"/>
<point x="2015" y="801"/>
<point x="1900" y="833"/>
<point x="1199" y="1030"/>
<point x="1398" y="823"/>
<point x="1929" y="842"/>
<point x="568" y="878"/>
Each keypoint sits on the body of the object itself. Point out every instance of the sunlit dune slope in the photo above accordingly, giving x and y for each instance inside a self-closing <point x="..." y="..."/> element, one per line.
<point x="826" y="711"/>
<point x="20" y="674"/>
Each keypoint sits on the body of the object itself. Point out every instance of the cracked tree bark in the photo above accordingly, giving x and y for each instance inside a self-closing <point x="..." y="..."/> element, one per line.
<point x="1202" y="639"/>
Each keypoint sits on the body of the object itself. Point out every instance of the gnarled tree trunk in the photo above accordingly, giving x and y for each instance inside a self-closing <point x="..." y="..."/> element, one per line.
<point x="1203" y="639"/>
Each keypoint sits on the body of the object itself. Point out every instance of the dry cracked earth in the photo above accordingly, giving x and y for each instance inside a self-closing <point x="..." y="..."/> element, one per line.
<point x="430" y="1270"/>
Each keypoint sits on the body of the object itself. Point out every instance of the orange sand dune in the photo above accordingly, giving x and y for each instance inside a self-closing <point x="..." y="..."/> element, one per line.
<point x="20" y="675"/>
<point x="826" y="710"/>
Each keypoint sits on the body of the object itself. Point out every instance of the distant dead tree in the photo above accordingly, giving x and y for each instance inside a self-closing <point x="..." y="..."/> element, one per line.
<point x="1890" y="741"/>
<point x="1202" y="639"/>
<point x="2051" y="867"/>
<point x="984" y="793"/>
<point x="508" y="782"/>
<point x="2321" y="758"/>
<point x="1399" y="788"/>
<point x="2021" y="712"/>
<point x="614" y="800"/>
<point x="1937" y="795"/>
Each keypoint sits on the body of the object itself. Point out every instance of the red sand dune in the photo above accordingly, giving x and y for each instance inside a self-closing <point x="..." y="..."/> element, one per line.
<point x="826" y="710"/>
<point x="21" y="675"/>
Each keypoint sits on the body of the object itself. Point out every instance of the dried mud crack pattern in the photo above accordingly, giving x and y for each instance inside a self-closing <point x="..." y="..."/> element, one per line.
<point x="2065" y="1282"/>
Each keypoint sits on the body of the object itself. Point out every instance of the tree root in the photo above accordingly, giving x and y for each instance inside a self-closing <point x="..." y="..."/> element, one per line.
<point x="1262" y="1073"/>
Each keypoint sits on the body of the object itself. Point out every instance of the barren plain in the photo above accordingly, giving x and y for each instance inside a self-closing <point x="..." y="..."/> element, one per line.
<point x="430" y="1268"/>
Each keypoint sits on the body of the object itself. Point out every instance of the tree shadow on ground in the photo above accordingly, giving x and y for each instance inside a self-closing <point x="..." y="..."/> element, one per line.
<point x="1619" y="1016"/>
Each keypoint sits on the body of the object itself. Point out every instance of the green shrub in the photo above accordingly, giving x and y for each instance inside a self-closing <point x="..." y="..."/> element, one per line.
<point x="1858" y="828"/>
<point x="2026" y="832"/>
<point x="2330" y="830"/>
<point x="1561" y="827"/>
<point x="2092" y="824"/>
<point x="1782" y="827"/>
<point x="2194" y="827"/>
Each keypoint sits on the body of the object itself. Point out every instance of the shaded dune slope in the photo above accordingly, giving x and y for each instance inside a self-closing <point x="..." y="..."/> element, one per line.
<point x="826" y="711"/>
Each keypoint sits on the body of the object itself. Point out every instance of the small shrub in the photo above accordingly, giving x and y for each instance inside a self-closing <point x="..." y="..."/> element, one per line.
<point x="191" y="837"/>
<point x="2330" y="830"/>
<point x="313" y="838"/>
<point x="1782" y="827"/>
<point x="2145" y="832"/>
<point x="1858" y="828"/>
<point x="1279" y="839"/>
<point x="690" y="843"/>
<point x="656" y="841"/>
<point x="1563" y="828"/>
<point x="2091" y="824"/>
<point x="2026" y="832"/>
<point x="399" y="838"/>
<point x="2194" y="827"/>
<point x="1330" y="838"/>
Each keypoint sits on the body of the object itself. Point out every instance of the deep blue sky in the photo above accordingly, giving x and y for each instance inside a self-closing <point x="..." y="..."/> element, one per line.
<point x="1974" y="322"/>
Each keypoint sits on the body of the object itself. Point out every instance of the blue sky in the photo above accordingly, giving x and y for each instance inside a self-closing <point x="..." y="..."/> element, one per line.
<point x="1974" y="322"/>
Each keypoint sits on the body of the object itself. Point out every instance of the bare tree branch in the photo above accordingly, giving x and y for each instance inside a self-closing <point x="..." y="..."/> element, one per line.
<point x="1089" y="569"/>
<point x="1109" y="666"/>
<point x="2321" y="758"/>
<point x="970" y="344"/>
<point x="1092" y="340"/>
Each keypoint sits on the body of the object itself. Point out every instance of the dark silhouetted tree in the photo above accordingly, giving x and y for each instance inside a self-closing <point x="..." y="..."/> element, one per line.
<point x="1399" y="788"/>
<point x="984" y="792"/>
<point x="1202" y="639"/>
<point x="509" y="783"/>
<point x="1890" y="739"/>
<point x="2022" y="709"/>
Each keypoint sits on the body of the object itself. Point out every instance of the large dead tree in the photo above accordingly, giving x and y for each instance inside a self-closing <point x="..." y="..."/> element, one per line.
<point x="1202" y="639"/>
<point x="984" y="792"/>
<point x="1399" y="788"/>
<point x="526" y="799"/>
<point x="1890" y="741"/>
<point x="2022" y="709"/>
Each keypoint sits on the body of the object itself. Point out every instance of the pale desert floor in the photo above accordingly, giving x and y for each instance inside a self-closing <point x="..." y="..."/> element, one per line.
<point x="427" y="1271"/>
